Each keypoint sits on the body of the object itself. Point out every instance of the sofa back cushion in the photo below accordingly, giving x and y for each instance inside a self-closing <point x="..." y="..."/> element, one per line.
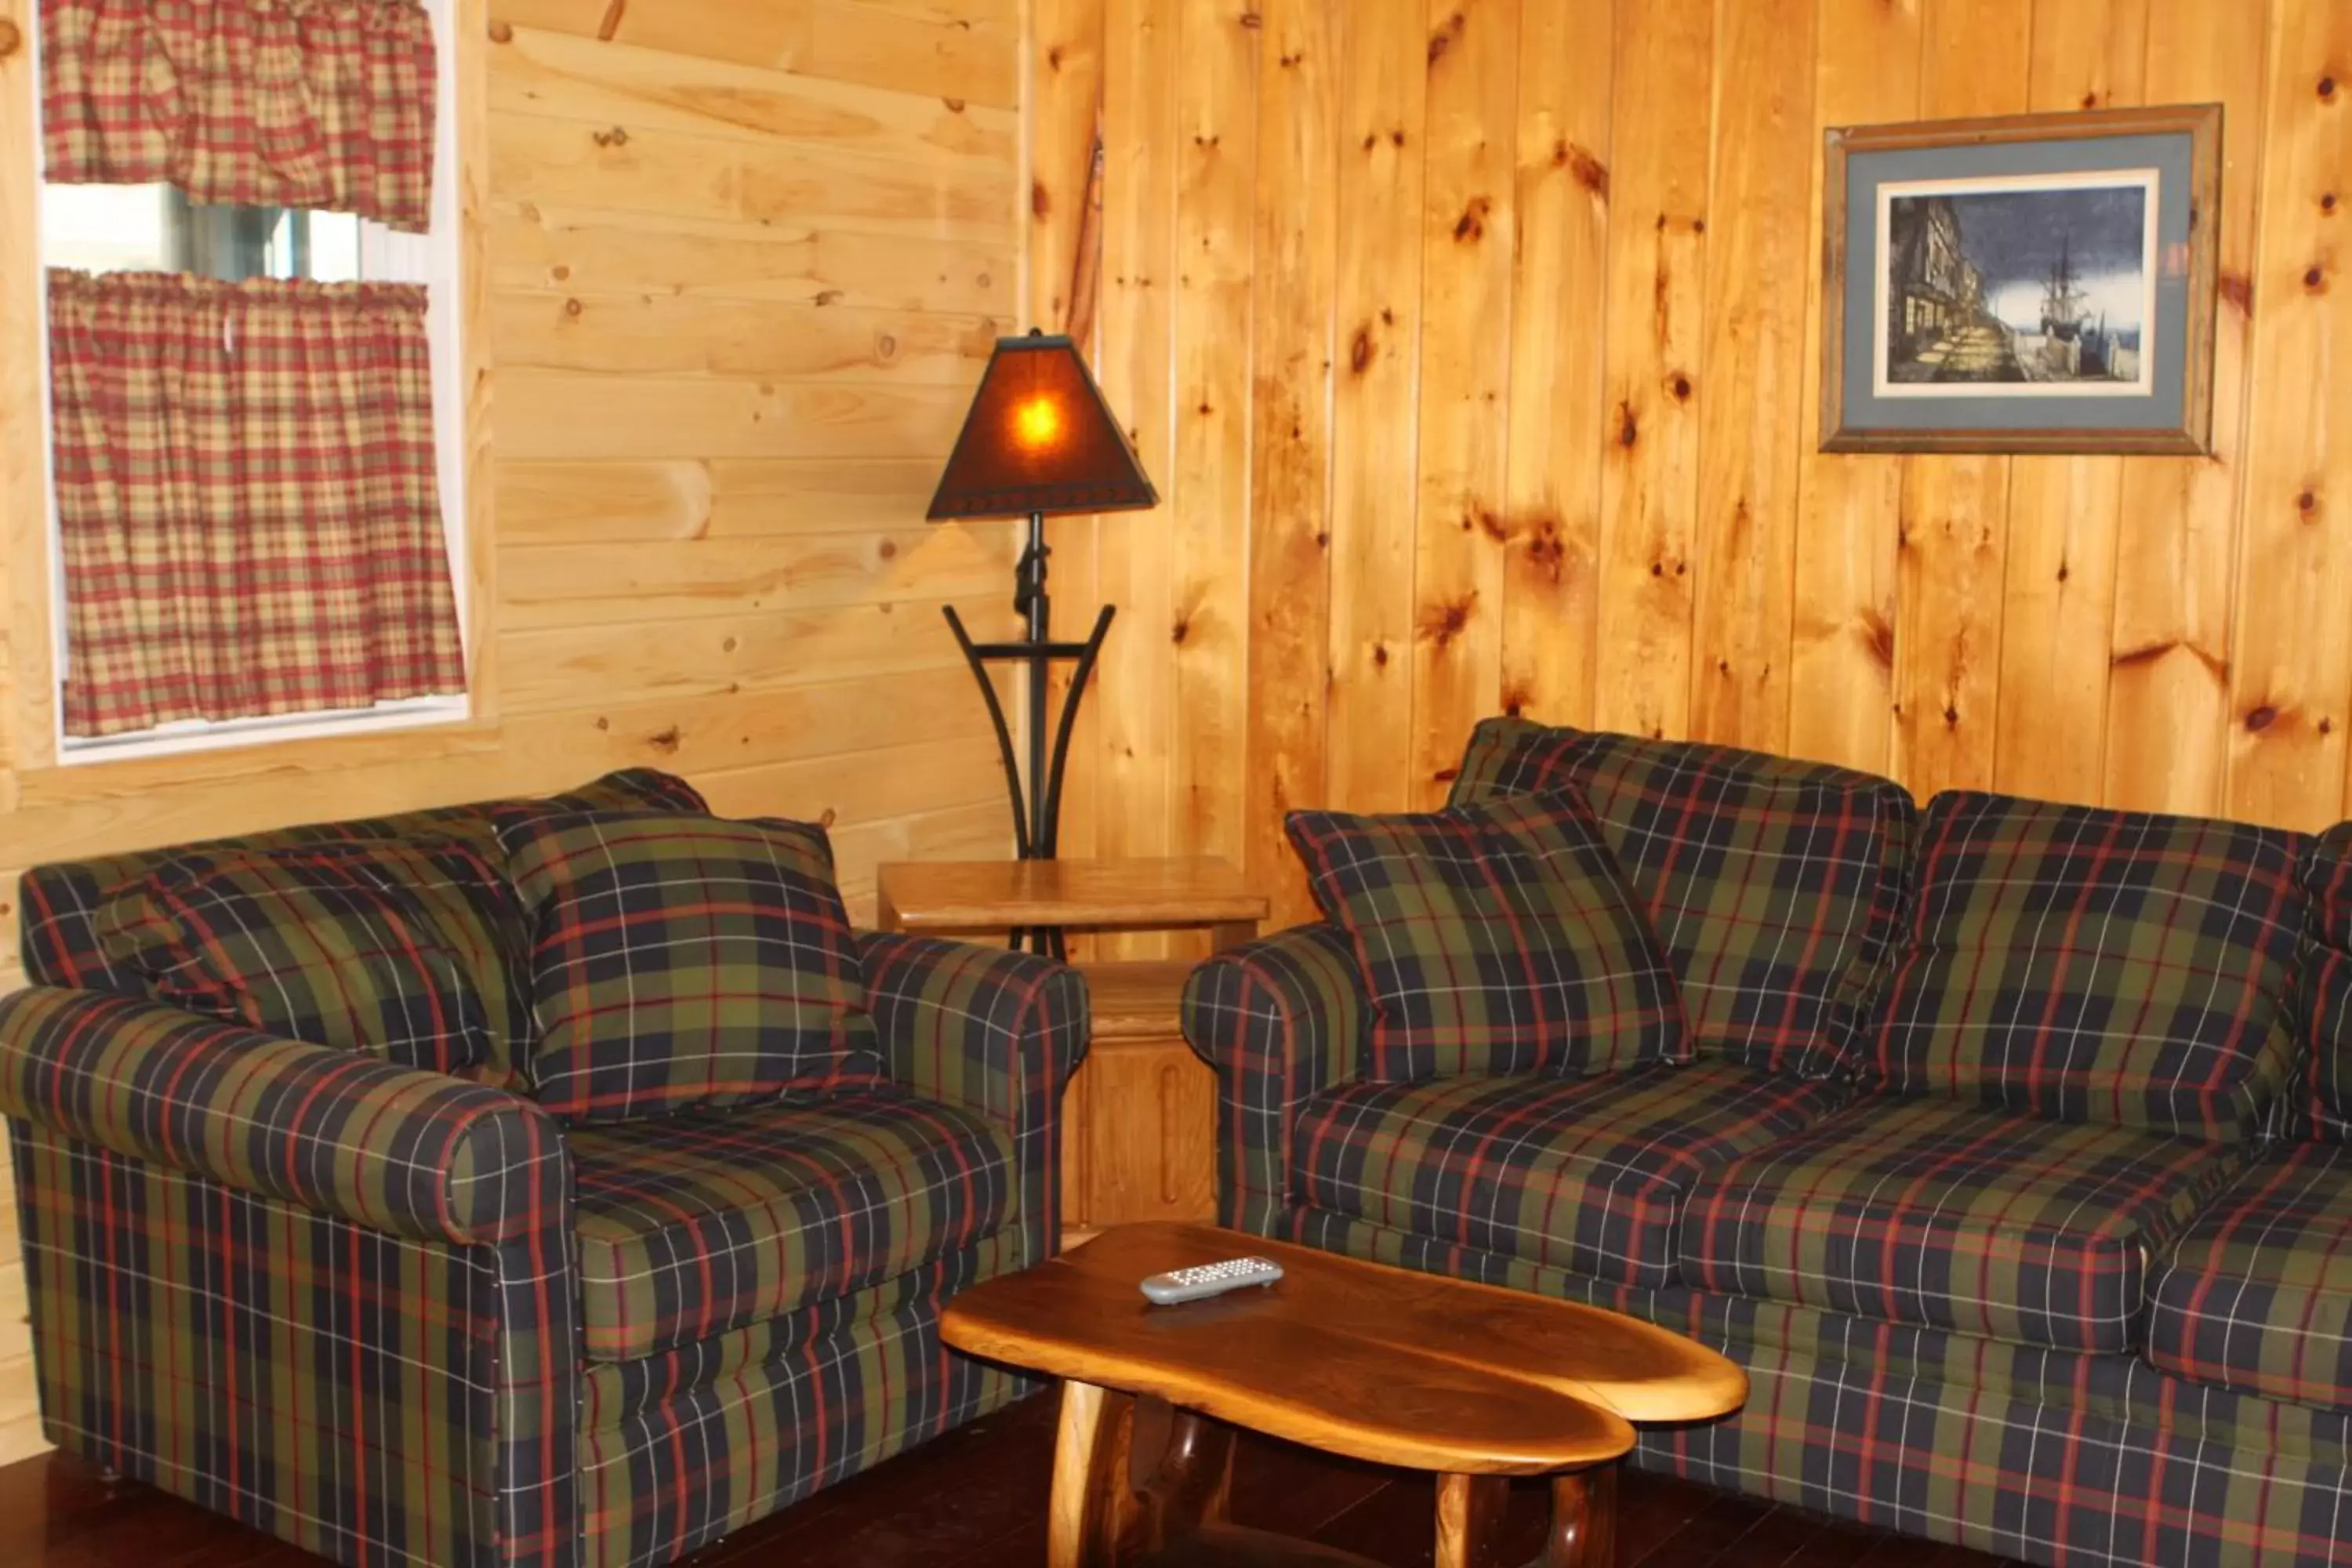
<point x="60" y="902"/>
<point x="397" y="949"/>
<point x="1776" y="885"/>
<point x="1493" y="938"/>
<point x="683" y="962"/>
<point x="2324" y="1101"/>
<point x="2081" y="964"/>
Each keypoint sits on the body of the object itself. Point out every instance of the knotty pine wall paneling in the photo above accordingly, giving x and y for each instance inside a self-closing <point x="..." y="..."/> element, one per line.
<point x="740" y="264"/>
<point x="1544" y="437"/>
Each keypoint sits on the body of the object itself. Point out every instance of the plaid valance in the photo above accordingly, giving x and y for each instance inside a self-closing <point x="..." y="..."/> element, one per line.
<point x="249" y="508"/>
<point x="321" y="104"/>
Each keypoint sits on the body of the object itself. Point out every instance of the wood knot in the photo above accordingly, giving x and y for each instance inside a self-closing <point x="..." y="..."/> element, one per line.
<point x="1951" y="716"/>
<point x="573" y="307"/>
<point x="501" y="32"/>
<point x="1181" y="630"/>
<point x="1040" y="203"/>
<point x="887" y="548"/>
<point x="616" y="137"/>
<point x="2261" y="719"/>
<point x="2307" y="502"/>
<point x="2326" y="89"/>
<point x="1360" y="350"/>
<point x="666" y="742"/>
<point x="1472" y="224"/>
<point x="1380" y="656"/>
<point x="954" y="105"/>
<point x="1682" y="388"/>
<point x="1251" y="20"/>
<point x="1629" y="429"/>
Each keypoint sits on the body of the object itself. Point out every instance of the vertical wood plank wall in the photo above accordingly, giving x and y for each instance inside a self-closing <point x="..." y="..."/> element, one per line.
<point x="1527" y="346"/>
<point x="744" y="261"/>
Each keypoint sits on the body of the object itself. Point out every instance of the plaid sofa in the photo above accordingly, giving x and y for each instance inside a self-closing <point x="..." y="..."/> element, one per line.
<point x="401" y="1317"/>
<point x="2014" y="1165"/>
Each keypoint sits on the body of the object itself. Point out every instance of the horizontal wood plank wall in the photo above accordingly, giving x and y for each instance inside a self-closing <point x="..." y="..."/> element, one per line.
<point x="742" y="262"/>
<point x="1543" y="434"/>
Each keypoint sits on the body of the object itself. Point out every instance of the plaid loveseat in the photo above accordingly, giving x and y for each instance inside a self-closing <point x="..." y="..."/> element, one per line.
<point x="2014" y="1164"/>
<point x="406" y="1317"/>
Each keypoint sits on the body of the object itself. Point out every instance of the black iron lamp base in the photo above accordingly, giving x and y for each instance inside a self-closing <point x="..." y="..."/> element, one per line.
<point x="1037" y="808"/>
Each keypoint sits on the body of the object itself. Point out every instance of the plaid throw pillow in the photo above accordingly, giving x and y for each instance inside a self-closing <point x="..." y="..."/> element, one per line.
<point x="1776" y="885"/>
<point x="404" y="950"/>
<point x="2325" y="1112"/>
<point x="2081" y="964"/>
<point x="1493" y="939"/>
<point x="684" y="961"/>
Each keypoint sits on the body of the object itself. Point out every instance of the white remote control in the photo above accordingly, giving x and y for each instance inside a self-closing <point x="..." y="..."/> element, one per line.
<point x="1209" y="1279"/>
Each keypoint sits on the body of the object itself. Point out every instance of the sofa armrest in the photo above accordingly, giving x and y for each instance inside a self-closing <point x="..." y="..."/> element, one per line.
<point x="1282" y="1019"/>
<point x="989" y="1029"/>
<point x="413" y="1153"/>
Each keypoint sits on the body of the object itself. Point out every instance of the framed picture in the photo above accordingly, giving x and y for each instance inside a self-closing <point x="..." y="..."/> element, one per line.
<point x="2034" y="283"/>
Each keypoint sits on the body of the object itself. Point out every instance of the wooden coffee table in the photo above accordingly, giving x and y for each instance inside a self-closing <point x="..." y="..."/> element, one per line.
<point x="1473" y="1382"/>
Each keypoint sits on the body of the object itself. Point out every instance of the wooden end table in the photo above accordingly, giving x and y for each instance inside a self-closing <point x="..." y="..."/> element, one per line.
<point x="1474" y="1382"/>
<point x="1141" y="1111"/>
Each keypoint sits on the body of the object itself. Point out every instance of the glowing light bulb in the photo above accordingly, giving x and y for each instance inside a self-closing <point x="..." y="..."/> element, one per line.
<point x="1038" y="421"/>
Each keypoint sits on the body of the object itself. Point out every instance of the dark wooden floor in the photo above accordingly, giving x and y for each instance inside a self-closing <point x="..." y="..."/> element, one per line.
<point x="976" y="1498"/>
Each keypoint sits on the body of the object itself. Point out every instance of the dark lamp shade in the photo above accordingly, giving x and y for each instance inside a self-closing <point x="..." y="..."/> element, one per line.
<point x="1040" y="438"/>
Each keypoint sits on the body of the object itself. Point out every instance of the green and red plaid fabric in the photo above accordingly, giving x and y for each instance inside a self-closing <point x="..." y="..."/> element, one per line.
<point x="1493" y="939"/>
<point x="1951" y="1216"/>
<point x="1776" y="885"/>
<point x="614" y="1390"/>
<point x="414" y="1153"/>
<point x="694" y="1225"/>
<point x="2053" y="1456"/>
<point x="2090" y="965"/>
<point x="719" y="1456"/>
<point x="2258" y="1294"/>
<point x="248" y="500"/>
<point x="687" y="962"/>
<point x="1585" y="1175"/>
<point x="404" y="951"/>
<point x="325" y="104"/>
<point x="992" y="1032"/>
<point x="1282" y="1019"/>
<point x="2326" y="1111"/>
<point x="375" y="1398"/>
<point x="60" y="937"/>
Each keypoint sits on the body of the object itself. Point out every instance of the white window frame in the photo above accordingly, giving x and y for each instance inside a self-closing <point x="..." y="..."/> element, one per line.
<point x="434" y="258"/>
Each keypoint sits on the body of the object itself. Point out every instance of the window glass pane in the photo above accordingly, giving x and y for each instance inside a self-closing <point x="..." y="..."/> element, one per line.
<point x="109" y="228"/>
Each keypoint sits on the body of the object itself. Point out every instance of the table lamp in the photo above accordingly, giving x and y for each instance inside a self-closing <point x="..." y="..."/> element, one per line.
<point x="1039" y="441"/>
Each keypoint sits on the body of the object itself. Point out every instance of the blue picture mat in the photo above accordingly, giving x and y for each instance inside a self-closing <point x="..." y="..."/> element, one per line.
<point x="2170" y="154"/>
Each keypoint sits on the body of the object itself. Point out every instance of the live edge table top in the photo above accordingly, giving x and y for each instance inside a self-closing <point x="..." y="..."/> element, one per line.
<point x="1358" y="1358"/>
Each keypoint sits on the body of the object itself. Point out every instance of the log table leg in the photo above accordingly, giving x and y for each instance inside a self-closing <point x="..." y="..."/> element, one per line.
<point x="1469" y="1516"/>
<point x="1583" y="1520"/>
<point x="1130" y="1476"/>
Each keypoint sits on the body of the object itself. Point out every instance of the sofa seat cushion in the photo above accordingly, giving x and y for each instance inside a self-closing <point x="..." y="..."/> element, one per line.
<point x="2324" y="1107"/>
<point x="2257" y="1296"/>
<point x="1952" y="1216"/>
<point x="692" y="1226"/>
<point x="1493" y="938"/>
<point x="1775" y="885"/>
<point x="1585" y="1175"/>
<point x="2091" y="966"/>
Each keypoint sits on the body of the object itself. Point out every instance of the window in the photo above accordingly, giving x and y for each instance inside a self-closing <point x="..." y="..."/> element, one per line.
<point x="155" y="228"/>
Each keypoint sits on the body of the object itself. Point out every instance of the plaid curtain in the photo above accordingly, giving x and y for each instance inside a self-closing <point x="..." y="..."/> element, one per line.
<point x="326" y="104"/>
<point x="246" y="498"/>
